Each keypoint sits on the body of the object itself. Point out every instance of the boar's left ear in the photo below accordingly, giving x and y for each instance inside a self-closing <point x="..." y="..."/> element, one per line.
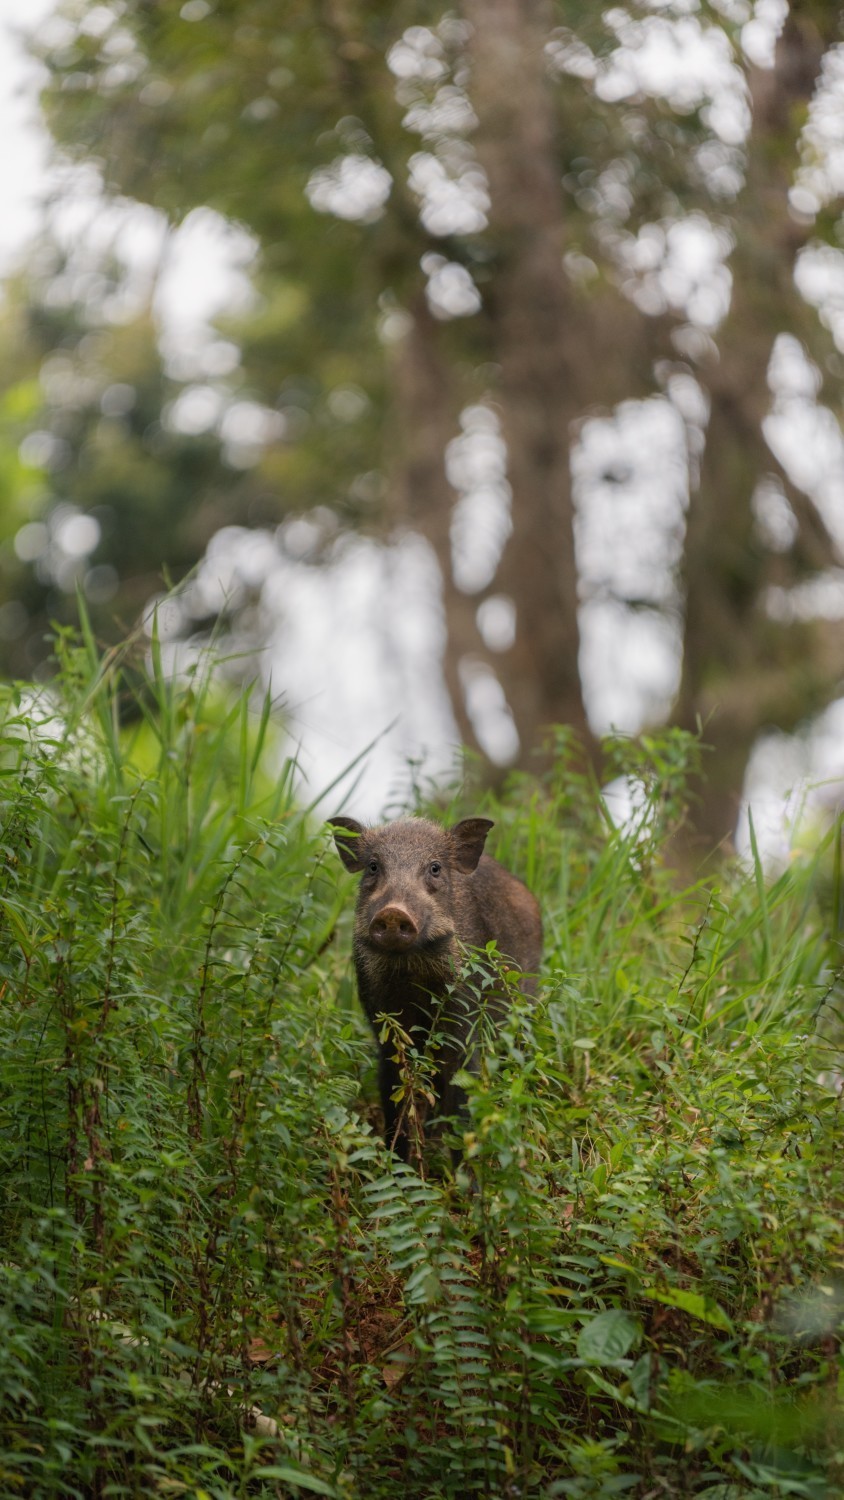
<point x="348" y="836"/>
<point x="468" y="839"/>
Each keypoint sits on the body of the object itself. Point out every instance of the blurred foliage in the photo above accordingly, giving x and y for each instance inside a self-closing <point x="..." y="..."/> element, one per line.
<point x="269" y="116"/>
<point x="100" y="450"/>
<point x="235" y="107"/>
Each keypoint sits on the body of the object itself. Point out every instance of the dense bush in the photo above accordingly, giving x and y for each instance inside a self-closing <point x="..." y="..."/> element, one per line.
<point x="216" y="1281"/>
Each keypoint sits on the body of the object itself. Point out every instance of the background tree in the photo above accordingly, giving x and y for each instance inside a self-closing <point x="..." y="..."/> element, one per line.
<point x="474" y="208"/>
<point x="119" y="492"/>
<point x="743" y="669"/>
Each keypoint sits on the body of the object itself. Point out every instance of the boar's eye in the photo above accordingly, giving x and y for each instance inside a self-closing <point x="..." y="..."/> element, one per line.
<point x="372" y="867"/>
<point x="435" y="867"/>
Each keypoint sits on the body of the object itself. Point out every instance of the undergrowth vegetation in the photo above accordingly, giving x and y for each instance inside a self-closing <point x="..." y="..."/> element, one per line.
<point x="217" y="1282"/>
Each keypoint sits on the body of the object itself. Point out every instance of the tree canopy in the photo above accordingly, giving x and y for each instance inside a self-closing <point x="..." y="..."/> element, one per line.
<point x="521" y="224"/>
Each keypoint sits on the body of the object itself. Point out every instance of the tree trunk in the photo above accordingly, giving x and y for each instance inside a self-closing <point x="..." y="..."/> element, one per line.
<point x="742" y="670"/>
<point x="530" y="321"/>
<point x="425" y="410"/>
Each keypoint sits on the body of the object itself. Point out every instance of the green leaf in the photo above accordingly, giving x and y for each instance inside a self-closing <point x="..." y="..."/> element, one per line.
<point x="608" y="1337"/>
<point x="694" y="1303"/>
<point x="25" y="937"/>
<point x="295" y="1476"/>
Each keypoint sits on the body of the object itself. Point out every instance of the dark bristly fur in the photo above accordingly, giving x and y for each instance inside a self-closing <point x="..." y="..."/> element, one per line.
<point x="424" y="890"/>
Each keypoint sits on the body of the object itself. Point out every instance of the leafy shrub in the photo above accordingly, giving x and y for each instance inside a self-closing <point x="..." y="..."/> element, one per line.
<point x="218" y="1283"/>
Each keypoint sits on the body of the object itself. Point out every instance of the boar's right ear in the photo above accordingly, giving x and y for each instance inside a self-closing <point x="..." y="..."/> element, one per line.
<point x="348" y="838"/>
<point x="468" y="839"/>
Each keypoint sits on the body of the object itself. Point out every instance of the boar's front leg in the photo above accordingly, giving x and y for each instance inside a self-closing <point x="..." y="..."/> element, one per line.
<point x="452" y="1102"/>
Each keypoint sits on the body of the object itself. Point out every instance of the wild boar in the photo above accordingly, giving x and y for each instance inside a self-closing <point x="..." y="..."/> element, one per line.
<point x="425" y="890"/>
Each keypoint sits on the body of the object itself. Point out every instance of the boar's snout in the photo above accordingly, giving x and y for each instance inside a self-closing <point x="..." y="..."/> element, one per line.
<point x="393" y="929"/>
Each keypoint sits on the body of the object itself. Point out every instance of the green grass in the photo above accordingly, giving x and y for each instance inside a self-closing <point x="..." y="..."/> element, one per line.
<point x="216" y="1283"/>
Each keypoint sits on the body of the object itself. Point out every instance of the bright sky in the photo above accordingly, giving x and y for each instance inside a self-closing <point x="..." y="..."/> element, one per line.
<point x="23" y="162"/>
